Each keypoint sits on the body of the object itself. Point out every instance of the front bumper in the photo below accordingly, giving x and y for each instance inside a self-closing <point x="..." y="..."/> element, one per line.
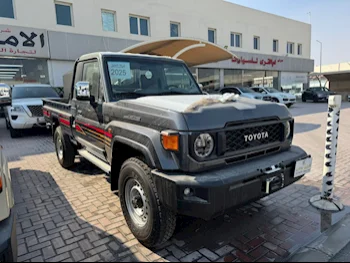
<point x="215" y="191"/>
<point x="8" y="240"/>
<point x="26" y="122"/>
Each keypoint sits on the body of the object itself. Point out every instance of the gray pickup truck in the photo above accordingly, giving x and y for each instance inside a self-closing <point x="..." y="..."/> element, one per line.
<point x="170" y="149"/>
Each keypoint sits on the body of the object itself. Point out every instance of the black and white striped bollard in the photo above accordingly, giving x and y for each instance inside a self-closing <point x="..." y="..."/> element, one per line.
<point x="326" y="200"/>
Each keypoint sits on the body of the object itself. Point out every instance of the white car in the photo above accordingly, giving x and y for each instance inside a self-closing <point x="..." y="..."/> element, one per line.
<point x="246" y="93"/>
<point x="26" y="110"/>
<point x="8" y="242"/>
<point x="277" y="96"/>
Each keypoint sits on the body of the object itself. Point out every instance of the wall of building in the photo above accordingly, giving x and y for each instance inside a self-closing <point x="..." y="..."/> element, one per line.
<point x="195" y="16"/>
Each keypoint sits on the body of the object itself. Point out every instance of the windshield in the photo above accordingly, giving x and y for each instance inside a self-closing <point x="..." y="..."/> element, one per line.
<point x="247" y="90"/>
<point x="319" y="89"/>
<point x="143" y="77"/>
<point x="272" y="90"/>
<point x="31" y="92"/>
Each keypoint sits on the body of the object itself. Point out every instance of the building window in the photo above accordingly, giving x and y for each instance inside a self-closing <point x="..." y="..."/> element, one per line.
<point x="236" y="40"/>
<point x="257" y="43"/>
<point x="108" y="20"/>
<point x="174" y="29"/>
<point x="6" y="9"/>
<point x="300" y="49"/>
<point x="139" y="25"/>
<point x="64" y="14"/>
<point x="290" y="48"/>
<point x="275" y="45"/>
<point x="212" y="35"/>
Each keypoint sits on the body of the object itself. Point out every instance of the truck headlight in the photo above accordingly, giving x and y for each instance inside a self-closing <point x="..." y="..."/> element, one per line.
<point x="204" y="145"/>
<point x="17" y="109"/>
<point x="287" y="129"/>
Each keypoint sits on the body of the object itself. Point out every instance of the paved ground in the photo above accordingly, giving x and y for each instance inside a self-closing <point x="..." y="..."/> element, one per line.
<point x="72" y="215"/>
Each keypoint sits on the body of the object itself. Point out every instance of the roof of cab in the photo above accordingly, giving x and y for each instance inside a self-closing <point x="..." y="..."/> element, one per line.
<point x="105" y="54"/>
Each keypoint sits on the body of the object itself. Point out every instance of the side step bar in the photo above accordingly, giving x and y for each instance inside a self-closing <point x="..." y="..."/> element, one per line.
<point x="96" y="161"/>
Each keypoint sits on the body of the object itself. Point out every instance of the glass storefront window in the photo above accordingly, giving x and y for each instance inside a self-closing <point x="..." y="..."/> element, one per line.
<point x="253" y="78"/>
<point x="210" y="79"/>
<point x="16" y="71"/>
<point x="233" y="77"/>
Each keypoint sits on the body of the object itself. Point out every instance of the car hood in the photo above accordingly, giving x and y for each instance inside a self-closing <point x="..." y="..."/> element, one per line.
<point x="200" y="114"/>
<point x="29" y="101"/>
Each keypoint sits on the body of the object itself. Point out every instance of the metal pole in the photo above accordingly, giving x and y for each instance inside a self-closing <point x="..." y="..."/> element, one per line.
<point x="326" y="200"/>
<point x="320" y="56"/>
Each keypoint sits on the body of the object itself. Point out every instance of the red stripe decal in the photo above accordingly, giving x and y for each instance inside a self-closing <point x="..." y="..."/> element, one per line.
<point x="103" y="132"/>
<point x="64" y="121"/>
<point x="78" y="128"/>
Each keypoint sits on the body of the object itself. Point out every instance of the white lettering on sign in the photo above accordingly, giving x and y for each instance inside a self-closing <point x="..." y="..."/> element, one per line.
<point x="119" y="70"/>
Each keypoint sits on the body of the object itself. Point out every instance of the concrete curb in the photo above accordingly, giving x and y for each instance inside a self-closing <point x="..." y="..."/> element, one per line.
<point x="327" y="245"/>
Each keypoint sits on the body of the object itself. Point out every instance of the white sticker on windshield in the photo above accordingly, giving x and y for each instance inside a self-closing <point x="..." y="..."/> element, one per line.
<point x="119" y="70"/>
<point x="148" y="75"/>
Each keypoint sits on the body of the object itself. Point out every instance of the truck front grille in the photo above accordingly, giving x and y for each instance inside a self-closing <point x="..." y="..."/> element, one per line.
<point x="36" y="110"/>
<point x="250" y="137"/>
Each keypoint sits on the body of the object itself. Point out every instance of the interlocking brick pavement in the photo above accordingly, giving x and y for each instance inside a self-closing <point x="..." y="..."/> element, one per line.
<point x="71" y="215"/>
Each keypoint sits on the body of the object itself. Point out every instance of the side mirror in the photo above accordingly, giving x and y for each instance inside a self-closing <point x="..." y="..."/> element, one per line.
<point x="5" y="101"/>
<point x="82" y="89"/>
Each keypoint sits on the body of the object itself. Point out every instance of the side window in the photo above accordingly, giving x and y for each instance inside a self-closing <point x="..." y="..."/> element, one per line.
<point x="91" y="74"/>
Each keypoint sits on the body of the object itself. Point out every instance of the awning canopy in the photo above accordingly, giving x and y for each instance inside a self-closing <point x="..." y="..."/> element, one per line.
<point x="192" y="51"/>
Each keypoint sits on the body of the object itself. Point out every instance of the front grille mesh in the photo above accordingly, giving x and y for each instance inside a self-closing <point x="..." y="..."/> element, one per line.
<point x="37" y="111"/>
<point x="235" y="139"/>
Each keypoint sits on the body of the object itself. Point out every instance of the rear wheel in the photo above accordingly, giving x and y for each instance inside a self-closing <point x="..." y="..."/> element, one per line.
<point x="150" y="221"/>
<point x="65" y="150"/>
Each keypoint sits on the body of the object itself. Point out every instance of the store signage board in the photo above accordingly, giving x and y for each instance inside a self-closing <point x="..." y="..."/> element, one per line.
<point x="23" y="42"/>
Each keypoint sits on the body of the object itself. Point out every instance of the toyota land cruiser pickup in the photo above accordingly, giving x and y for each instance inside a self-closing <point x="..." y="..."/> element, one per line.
<point x="170" y="149"/>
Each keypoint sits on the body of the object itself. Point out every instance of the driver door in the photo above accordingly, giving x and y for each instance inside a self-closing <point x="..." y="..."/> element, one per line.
<point x="89" y="128"/>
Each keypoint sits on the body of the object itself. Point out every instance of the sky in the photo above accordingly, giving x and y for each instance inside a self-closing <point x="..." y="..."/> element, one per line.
<point x="330" y="20"/>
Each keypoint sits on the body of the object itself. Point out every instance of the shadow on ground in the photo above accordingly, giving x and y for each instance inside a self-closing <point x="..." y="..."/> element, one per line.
<point x="305" y="127"/>
<point x="45" y="216"/>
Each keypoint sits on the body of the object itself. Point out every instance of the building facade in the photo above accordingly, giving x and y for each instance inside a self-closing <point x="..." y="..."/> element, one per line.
<point x="41" y="39"/>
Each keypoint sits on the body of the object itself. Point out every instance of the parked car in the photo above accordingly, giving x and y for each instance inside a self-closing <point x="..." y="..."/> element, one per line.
<point x="277" y="96"/>
<point x="25" y="110"/>
<point x="170" y="149"/>
<point x="246" y="93"/>
<point x="4" y="95"/>
<point x="8" y="241"/>
<point x="316" y="94"/>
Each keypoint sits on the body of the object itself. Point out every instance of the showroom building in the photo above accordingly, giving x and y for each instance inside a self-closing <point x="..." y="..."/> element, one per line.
<point x="40" y="40"/>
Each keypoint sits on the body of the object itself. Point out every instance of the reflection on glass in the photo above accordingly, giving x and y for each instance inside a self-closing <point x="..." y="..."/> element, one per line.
<point x="210" y="79"/>
<point x="233" y="77"/>
<point x="108" y="21"/>
<point x="253" y="78"/>
<point x="16" y="71"/>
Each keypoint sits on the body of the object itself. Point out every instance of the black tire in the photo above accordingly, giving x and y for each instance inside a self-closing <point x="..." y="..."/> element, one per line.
<point x="161" y="222"/>
<point x="289" y="105"/>
<point x="275" y="100"/>
<point x="7" y="124"/>
<point x="303" y="99"/>
<point x="13" y="132"/>
<point x="66" y="159"/>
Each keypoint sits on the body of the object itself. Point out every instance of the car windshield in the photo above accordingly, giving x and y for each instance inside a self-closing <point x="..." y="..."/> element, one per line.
<point x="272" y="90"/>
<point x="319" y="89"/>
<point x="31" y="92"/>
<point x="136" y="77"/>
<point x="247" y="90"/>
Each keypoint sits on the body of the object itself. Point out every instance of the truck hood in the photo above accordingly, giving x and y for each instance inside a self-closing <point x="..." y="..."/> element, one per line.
<point x="206" y="116"/>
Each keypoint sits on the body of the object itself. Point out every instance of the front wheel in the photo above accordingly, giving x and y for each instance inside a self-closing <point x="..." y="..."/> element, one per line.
<point x="13" y="132"/>
<point x="150" y="221"/>
<point x="65" y="150"/>
<point x="275" y="100"/>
